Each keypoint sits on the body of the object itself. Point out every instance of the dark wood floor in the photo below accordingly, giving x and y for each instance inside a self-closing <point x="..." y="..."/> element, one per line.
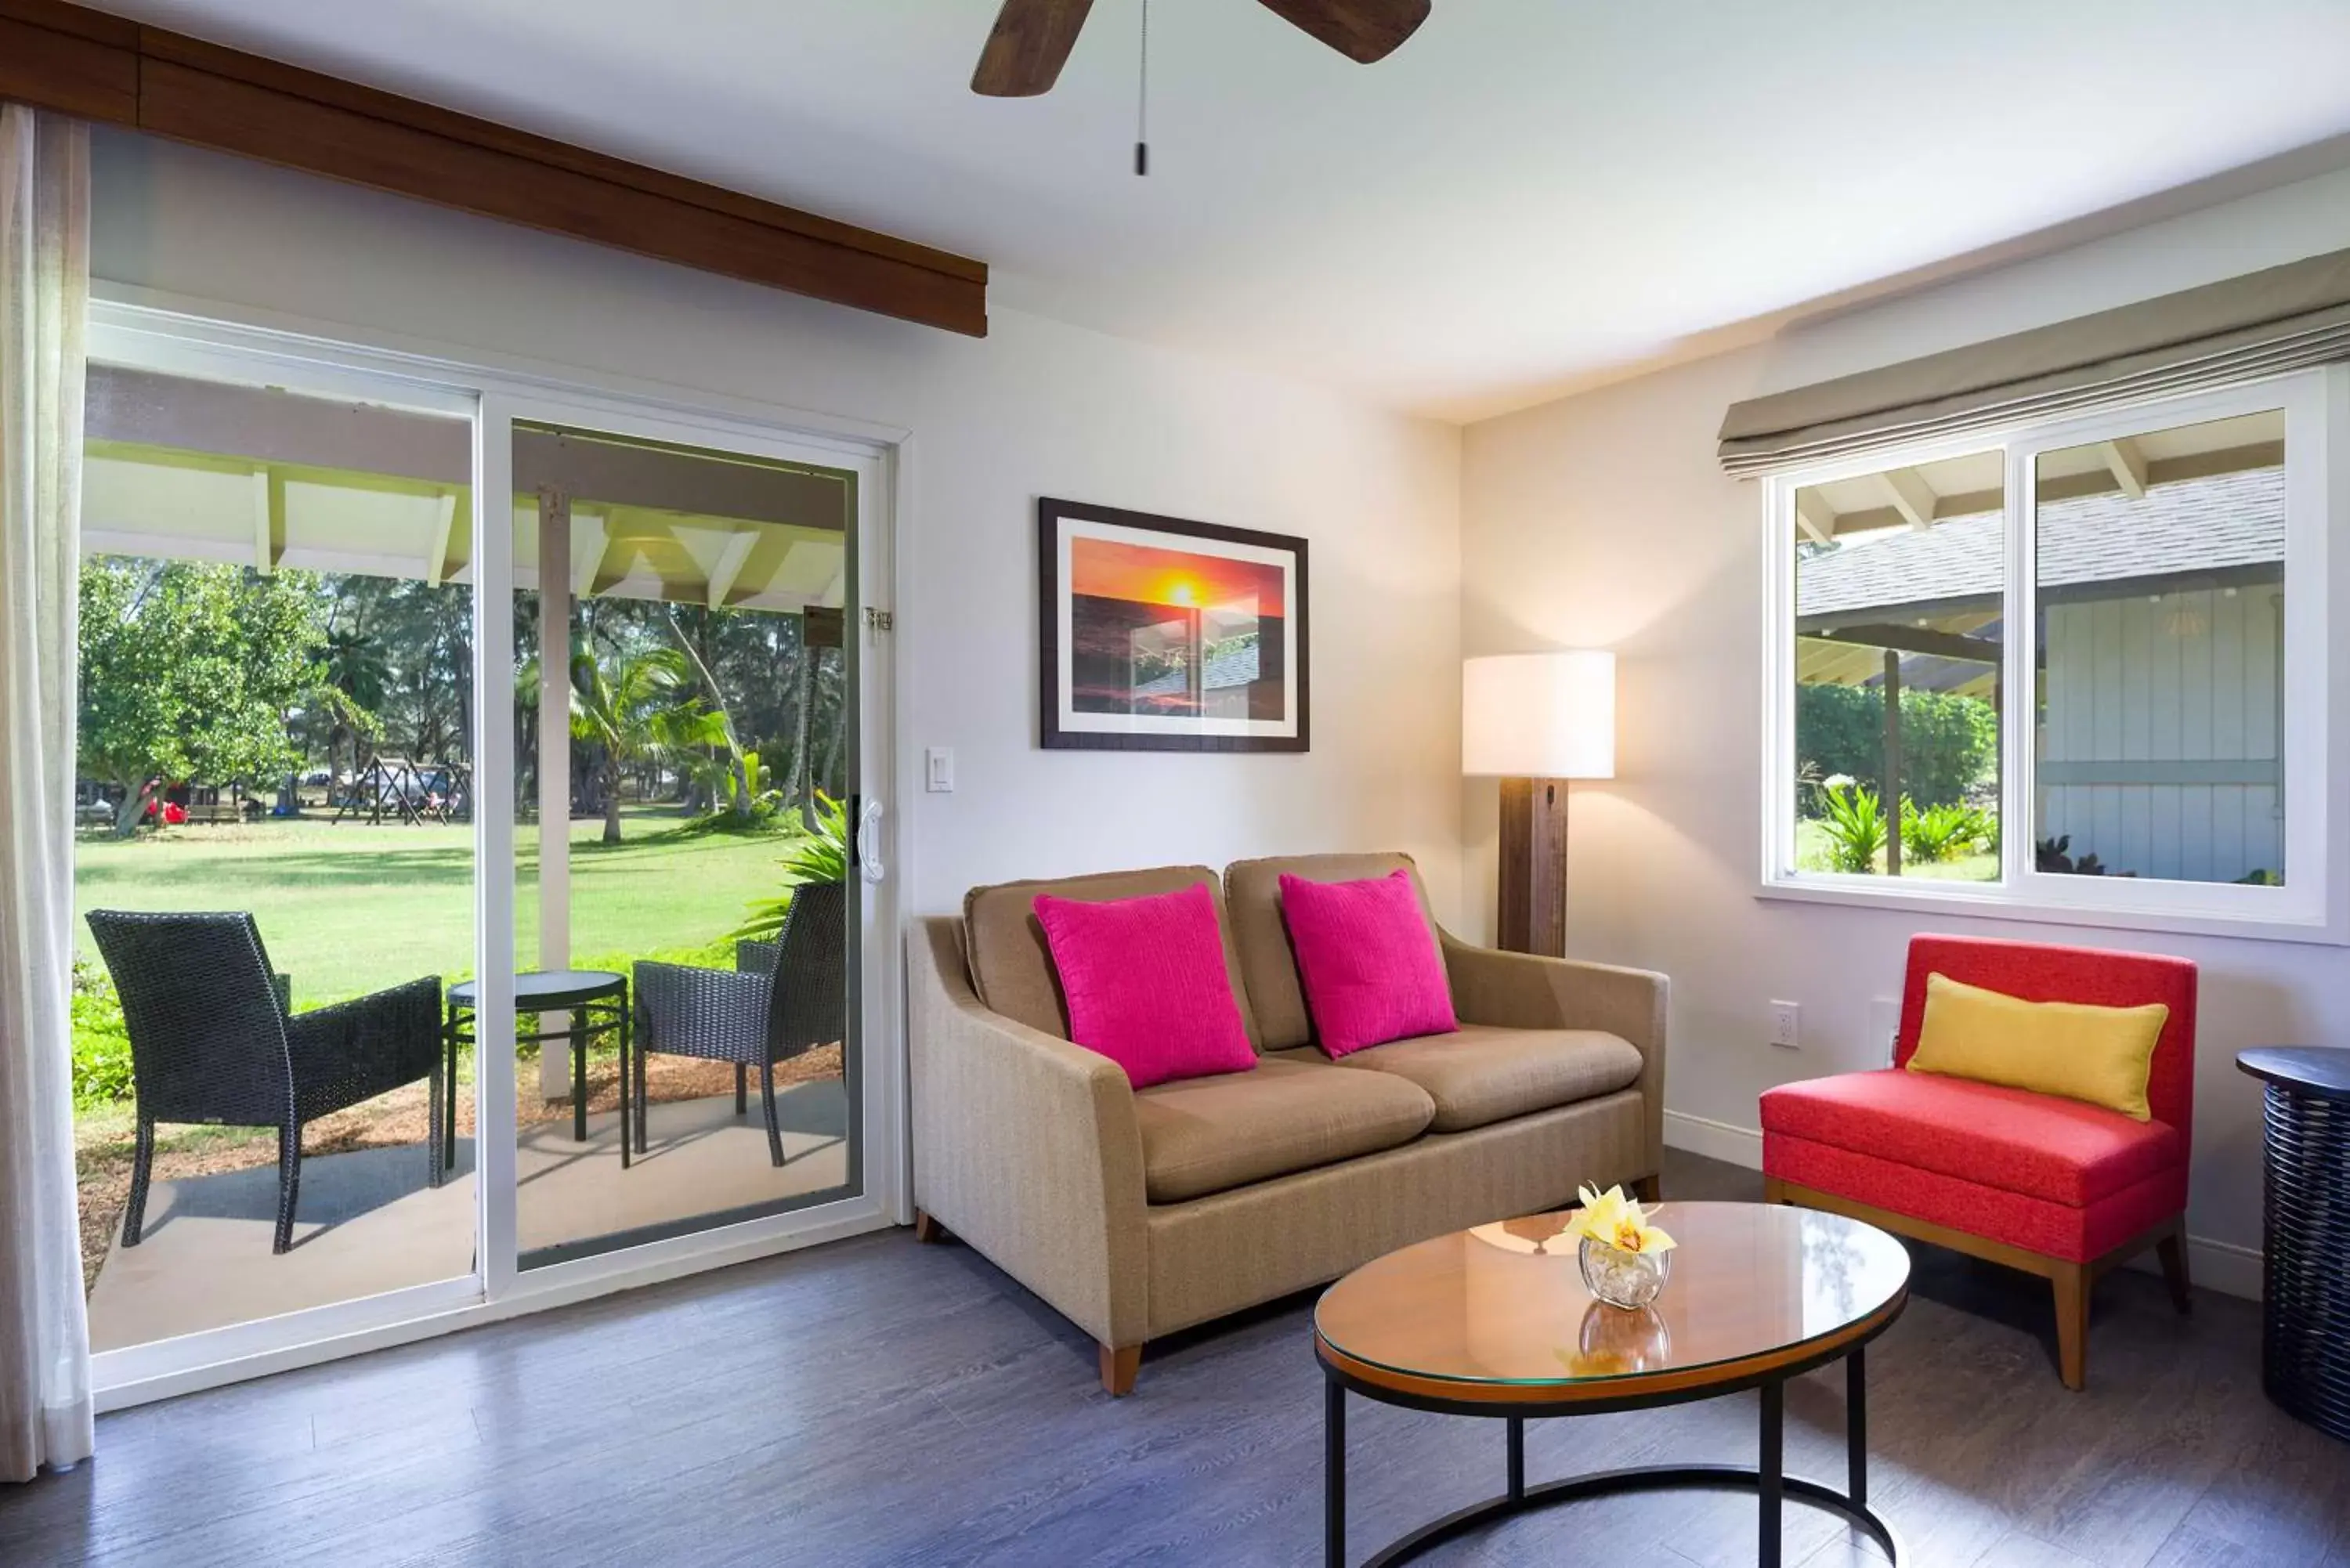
<point x="877" y="1402"/>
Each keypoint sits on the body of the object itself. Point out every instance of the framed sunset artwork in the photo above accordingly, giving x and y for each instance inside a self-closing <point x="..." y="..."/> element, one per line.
<point x="1162" y="634"/>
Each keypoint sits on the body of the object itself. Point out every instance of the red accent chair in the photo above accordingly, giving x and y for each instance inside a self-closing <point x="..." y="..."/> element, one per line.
<point x="2054" y="1186"/>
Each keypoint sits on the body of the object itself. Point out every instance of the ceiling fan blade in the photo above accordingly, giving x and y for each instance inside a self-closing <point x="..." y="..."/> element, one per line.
<point x="1362" y="30"/>
<point x="1030" y="43"/>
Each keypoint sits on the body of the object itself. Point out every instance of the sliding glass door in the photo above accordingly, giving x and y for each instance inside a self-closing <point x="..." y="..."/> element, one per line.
<point x="480" y="846"/>
<point x="686" y="915"/>
<point x="274" y="866"/>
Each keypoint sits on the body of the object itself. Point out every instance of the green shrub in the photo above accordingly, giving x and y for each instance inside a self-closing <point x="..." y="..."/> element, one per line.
<point x="1941" y="833"/>
<point x="1854" y="824"/>
<point x="818" y="857"/>
<point x="1949" y="744"/>
<point x="101" y="1046"/>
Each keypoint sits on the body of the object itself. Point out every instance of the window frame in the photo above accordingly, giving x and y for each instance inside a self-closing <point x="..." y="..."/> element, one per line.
<point x="2314" y="904"/>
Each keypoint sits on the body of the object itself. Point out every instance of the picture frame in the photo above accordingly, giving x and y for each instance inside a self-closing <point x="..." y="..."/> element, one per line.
<point x="1161" y="634"/>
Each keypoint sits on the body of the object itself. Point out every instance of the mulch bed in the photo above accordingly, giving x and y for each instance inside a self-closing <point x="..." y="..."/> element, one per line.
<point x="388" y="1121"/>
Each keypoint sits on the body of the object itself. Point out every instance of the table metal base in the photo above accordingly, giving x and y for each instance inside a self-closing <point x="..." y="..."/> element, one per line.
<point x="1768" y="1481"/>
<point x="608" y="1013"/>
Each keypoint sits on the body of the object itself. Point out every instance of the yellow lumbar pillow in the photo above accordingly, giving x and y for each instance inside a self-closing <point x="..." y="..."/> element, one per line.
<point x="2101" y="1054"/>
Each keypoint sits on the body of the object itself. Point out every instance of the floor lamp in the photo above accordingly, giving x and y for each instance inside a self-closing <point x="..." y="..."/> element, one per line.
<point x="1536" y="720"/>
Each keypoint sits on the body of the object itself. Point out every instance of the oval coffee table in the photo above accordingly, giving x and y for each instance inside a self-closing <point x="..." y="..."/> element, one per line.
<point x="1494" y="1322"/>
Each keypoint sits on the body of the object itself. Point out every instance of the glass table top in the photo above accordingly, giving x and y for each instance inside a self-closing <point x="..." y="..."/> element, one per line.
<point x="1505" y="1303"/>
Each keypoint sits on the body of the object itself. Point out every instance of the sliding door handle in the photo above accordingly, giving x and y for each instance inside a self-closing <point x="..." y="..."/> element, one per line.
<point x="868" y="841"/>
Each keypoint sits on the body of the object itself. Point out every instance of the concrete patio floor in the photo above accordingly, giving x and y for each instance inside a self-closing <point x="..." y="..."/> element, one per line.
<point x="368" y="1222"/>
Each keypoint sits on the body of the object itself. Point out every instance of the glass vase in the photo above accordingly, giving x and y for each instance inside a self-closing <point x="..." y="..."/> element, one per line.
<point x="1621" y="1279"/>
<point x="1617" y="1343"/>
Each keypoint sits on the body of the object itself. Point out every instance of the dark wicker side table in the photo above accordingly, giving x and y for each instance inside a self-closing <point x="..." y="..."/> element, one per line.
<point x="2306" y="1323"/>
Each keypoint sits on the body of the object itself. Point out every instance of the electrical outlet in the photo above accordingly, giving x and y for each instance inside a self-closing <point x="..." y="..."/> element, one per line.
<point x="939" y="766"/>
<point x="1884" y="1023"/>
<point x="1787" y="1024"/>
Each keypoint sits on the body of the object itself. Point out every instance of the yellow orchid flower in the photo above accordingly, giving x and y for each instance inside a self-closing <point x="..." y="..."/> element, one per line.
<point x="1615" y="1220"/>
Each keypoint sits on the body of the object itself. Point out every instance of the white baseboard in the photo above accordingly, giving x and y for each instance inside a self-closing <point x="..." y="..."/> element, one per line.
<point x="2222" y="1266"/>
<point x="1713" y="1139"/>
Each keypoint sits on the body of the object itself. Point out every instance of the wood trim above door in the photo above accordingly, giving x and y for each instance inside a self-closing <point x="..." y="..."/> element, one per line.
<point x="95" y="67"/>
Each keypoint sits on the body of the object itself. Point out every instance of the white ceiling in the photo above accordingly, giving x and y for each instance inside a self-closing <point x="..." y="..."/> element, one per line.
<point x="1527" y="195"/>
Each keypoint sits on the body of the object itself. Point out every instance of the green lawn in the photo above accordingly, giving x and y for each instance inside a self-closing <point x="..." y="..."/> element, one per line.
<point x="349" y="908"/>
<point x="1811" y="854"/>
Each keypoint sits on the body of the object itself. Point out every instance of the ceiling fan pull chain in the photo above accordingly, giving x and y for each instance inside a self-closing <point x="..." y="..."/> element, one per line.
<point x="1142" y="100"/>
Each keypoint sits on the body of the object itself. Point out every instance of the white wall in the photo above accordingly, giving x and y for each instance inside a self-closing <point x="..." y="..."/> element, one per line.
<point x="1035" y="409"/>
<point x="1602" y="520"/>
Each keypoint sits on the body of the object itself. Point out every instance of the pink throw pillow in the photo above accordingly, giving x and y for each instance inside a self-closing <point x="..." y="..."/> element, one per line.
<point x="1147" y="984"/>
<point x="1369" y="961"/>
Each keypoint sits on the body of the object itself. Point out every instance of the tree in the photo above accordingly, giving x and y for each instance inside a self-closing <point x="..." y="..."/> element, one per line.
<point x="1949" y="744"/>
<point x="188" y="672"/>
<point x="638" y="705"/>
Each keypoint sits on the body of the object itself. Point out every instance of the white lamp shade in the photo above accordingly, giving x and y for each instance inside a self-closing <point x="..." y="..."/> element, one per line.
<point x="1539" y="715"/>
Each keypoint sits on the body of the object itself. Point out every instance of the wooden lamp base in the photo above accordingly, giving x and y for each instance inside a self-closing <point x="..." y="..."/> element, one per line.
<point x="1534" y="867"/>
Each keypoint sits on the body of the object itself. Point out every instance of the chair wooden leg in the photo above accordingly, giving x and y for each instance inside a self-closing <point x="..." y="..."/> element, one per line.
<point x="142" y="1168"/>
<point x="2072" y="1288"/>
<point x="1650" y="1190"/>
<point x="1773" y="1190"/>
<point x="2172" y="1251"/>
<point x="1119" y="1368"/>
<point x="929" y="1232"/>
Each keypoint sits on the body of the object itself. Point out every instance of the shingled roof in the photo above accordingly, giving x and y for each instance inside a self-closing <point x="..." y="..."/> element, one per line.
<point x="2189" y="526"/>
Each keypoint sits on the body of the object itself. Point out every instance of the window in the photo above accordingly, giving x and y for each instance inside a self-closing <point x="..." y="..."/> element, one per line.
<point x="2054" y="668"/>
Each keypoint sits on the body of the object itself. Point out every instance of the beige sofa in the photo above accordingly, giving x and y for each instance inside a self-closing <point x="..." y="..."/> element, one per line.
<point x="1138" y="1213"/>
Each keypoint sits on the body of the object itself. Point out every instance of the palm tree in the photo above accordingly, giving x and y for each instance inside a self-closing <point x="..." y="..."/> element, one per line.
<point x="639" y="704"/>
<point x="353" y="664"/>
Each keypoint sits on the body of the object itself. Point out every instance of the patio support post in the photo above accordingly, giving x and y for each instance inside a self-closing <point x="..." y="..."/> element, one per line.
<point x="554" y="767"/>
<point x="1890" y="794"/>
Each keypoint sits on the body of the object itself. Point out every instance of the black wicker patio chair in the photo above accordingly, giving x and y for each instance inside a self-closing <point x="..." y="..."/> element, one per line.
<point x="781" y="998"/>
<point x="212" y="1040"/>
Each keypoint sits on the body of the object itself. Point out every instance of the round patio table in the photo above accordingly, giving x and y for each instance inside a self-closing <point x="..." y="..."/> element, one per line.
<point x="597" y="1001"/>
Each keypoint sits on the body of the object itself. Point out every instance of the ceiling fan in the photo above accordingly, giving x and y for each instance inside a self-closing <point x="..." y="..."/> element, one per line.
<point x="1031" y="38"/>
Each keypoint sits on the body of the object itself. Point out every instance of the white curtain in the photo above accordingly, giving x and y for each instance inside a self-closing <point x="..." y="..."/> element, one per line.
<point x="45" y="1404"/>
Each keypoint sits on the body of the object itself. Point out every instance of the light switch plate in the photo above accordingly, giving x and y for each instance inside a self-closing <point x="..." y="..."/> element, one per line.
<point x="938" y="770"/>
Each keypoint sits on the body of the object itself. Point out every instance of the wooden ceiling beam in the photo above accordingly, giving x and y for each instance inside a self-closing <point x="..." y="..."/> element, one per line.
<point x="2126" y="464"/>
<point x="1911" y="496"/>
<point x="728" y="570"/>
<point x="268" y="521"/>
<point x="83" y="63"/>
<point x="1918" y="639"/>
<point x="438" y="564"/>
<point x="1814" y="516"/>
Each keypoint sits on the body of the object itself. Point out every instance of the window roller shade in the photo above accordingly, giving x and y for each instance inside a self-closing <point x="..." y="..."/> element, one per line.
<point x="2263" y="323"/>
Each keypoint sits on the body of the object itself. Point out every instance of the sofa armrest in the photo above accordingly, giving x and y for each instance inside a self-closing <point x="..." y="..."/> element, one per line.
<point x="1524" y="990"/>
<point x="1025" y="1145"/>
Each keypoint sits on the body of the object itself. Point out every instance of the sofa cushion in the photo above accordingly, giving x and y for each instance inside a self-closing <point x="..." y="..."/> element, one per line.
<point x="1208" y="1134"/>
<point x="2077" y="1232"/>
<point x="1367" y="961"/>
<point x="1481" y="1073"/>
<point x="1268" y="966"/>
<point x="2061" y="1151"/>
<point x="1011" y="965"/>
<point x="1145" y="984"/>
